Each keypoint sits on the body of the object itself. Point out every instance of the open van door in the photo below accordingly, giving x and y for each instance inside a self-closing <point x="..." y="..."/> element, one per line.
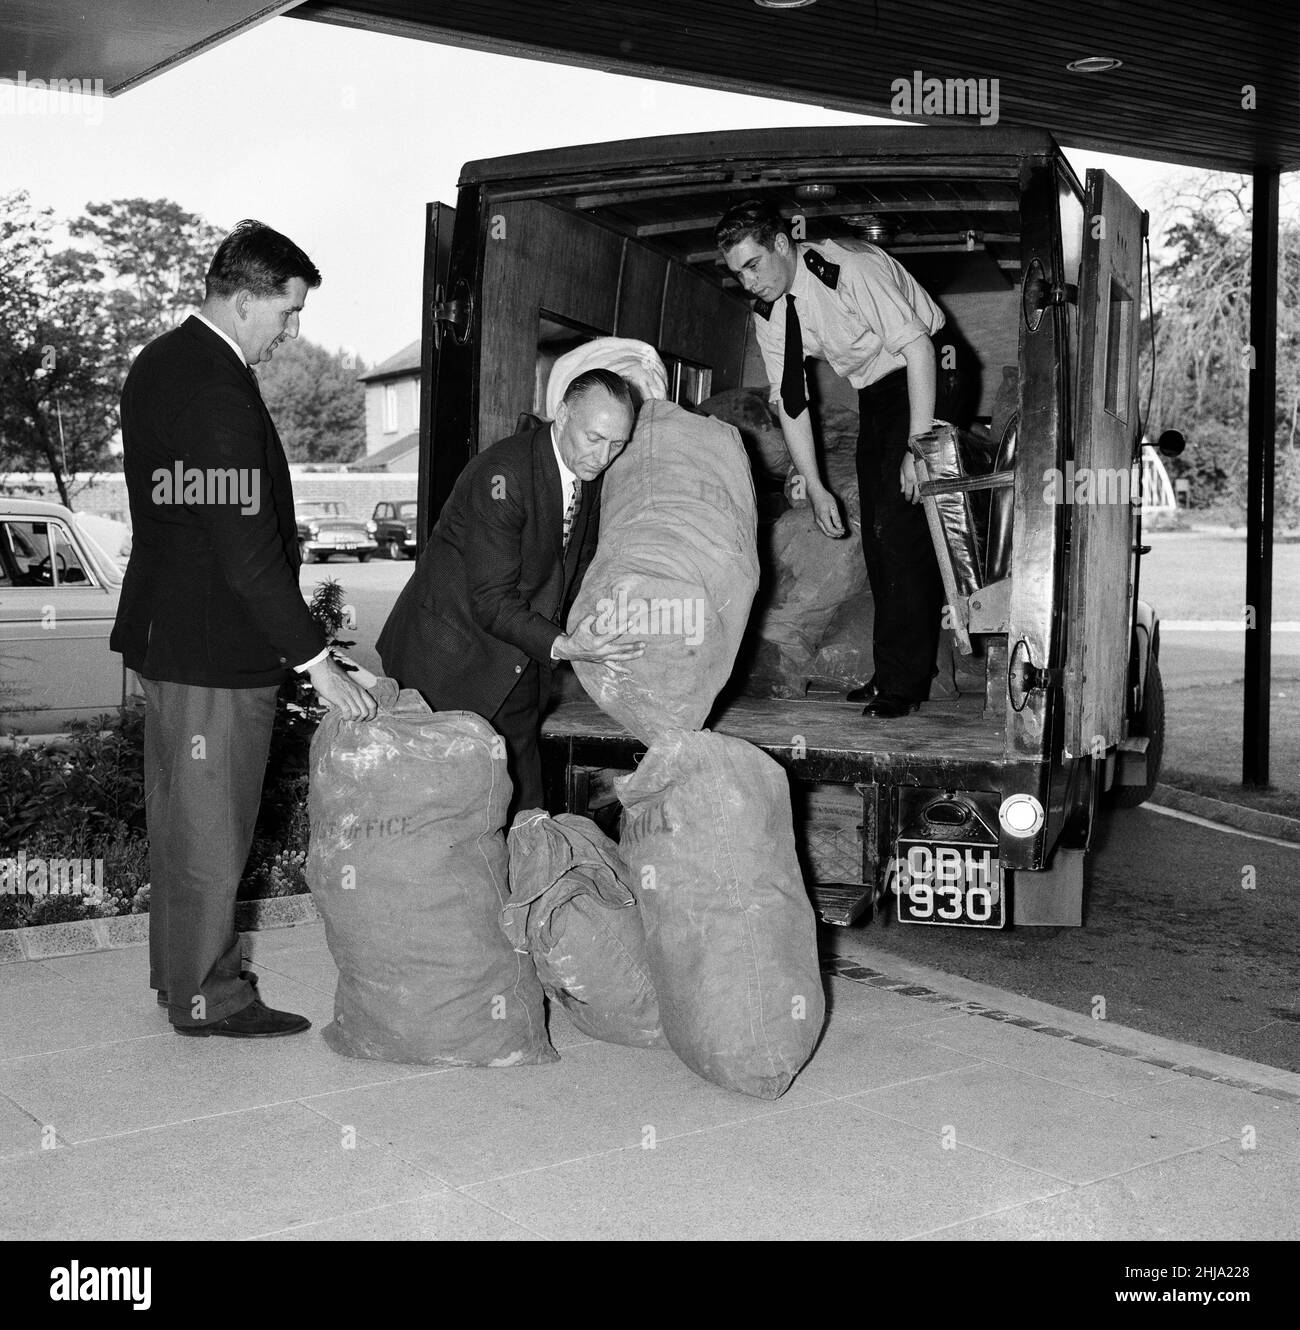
<point x="438" y="327"/>
<point x="1098" y="490"/>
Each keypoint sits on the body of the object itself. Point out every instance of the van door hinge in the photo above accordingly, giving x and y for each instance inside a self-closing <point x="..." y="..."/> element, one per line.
<point x="456" y="314"/>
<point x="1024" y="677"/>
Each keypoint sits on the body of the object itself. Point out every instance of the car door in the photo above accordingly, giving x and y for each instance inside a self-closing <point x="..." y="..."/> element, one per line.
<point x="56" y="614"/>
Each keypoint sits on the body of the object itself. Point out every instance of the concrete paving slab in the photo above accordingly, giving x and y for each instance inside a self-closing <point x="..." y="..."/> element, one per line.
<point x="56" y="1016"/>
<point x="1040" y="1124"/>
<point x="1054" y="1059"/>
<point x="310" y="967"/>
<point x="230" y="1176"/>
<point x="275" y="941"/>
<point x="24" y="974"/>
<point x="1053" y="1136"/>
<point x="97" y="1091"/>
<point x="865" y="1055"/>
<point x="861" y="1001"/>
<point x="1219" y="1193"/>
<point x="481" y="1123"/>
<point x="447" y="1216"/>
<point x="808" y="1172"/>
<point x="1265" y="1124"/>
<point x="20" y="1133"/>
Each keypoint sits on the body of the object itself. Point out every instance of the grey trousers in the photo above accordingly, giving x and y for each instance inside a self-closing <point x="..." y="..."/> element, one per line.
<point x="205" y="755"/>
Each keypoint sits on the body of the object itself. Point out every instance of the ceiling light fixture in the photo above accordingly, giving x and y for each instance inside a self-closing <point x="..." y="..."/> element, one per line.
<point x="873" y="227"/>
<point x="783" y="4"/>
<point x="1094" y="64"/>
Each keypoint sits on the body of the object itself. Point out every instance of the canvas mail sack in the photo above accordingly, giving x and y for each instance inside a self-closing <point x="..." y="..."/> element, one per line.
<point x="730" y="932"/>
<point x="407" y="865"/>
<point x="677" y="566"/>
<point x="572" y="910"/>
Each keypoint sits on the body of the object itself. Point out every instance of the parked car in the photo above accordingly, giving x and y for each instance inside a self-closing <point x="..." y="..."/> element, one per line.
<point x="394" y="521"/>
<point x="59" y="590"/>
<point x="324" y="528"/>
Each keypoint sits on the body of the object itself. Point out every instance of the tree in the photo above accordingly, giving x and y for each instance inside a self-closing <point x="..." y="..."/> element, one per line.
<point x="316" y="402"/>
<point x="58" y="391"/>
<point x="71" y="321"/>
<point x="1203" y="352"/>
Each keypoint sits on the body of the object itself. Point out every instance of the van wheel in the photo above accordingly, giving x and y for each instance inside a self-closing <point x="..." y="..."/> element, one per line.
<point x="1150" y="721"/>
<point x="392" y="548"/>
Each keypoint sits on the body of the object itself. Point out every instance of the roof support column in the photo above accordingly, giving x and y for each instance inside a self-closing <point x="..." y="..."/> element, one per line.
<point x="1260" y="461"/>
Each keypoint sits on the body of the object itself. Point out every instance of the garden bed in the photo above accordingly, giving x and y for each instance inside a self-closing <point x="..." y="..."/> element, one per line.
<point x="81" y="801"/>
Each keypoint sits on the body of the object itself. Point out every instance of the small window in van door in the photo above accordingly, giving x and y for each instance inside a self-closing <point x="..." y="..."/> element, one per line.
<point x="1118" y="339"/>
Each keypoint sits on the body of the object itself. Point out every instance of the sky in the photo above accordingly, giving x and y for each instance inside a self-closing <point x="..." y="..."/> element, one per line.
<point x="339" y="138"/>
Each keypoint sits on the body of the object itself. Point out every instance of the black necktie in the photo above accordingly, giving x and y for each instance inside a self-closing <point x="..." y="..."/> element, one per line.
<point x="793" y="396"/>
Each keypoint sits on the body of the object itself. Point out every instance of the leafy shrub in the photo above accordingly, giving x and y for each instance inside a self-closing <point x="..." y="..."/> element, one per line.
<point x="60" y="909"/>
<point x="15" y="911"/>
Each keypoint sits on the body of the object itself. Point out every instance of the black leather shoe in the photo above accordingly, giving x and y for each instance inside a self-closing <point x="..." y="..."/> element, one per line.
<point x="255" y="1021"/>
<point x="866" y="693"/>
<point x="163" y="1000"/>
<point x="885" y="707"/>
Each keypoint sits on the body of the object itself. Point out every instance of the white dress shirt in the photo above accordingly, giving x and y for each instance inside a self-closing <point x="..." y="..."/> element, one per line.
<point x="861" y="325"/>
<point x="567" y="481"/>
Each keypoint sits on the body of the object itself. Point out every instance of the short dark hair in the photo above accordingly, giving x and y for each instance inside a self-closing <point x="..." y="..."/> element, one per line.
<point x="584" y="384"/>
<point x="754" y="219"/>
<point x="255" y="258"/>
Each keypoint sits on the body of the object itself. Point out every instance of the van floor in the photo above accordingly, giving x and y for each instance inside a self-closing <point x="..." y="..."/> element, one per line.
<point x="944" y="732"/>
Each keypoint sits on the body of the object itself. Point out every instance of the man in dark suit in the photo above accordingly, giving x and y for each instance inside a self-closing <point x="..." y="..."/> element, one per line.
<point x="478" y="625"/>
<point x="212" y="619"/>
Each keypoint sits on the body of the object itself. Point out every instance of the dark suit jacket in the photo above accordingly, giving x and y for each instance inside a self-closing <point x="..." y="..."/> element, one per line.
<point x="210" y="596"/>
<point x="493" y="585"/>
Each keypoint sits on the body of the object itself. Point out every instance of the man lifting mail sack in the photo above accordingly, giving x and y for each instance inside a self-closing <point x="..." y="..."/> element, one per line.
<point x="744" y="1007"/>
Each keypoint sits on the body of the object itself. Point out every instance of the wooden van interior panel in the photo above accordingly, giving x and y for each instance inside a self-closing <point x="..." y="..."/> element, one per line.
<point x="704" y="324"/>
<point x="536" y="258"/>
<point x="641" y="297"/>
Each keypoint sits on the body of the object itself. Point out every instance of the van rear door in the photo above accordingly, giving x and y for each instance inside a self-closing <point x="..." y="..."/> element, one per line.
<point x="1098" y="491"/>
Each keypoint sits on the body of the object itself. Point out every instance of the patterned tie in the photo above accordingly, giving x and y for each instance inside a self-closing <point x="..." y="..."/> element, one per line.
<point x="793" y="396"/>
<point x="571" y="510"/>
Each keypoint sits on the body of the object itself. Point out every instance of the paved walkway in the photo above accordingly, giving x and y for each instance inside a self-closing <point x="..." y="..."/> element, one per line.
<point x="935" y="1108"/>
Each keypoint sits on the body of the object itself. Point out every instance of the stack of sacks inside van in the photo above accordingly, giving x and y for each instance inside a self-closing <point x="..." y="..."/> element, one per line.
<point x="730" y="935"/>
<point x="813" y="620"/>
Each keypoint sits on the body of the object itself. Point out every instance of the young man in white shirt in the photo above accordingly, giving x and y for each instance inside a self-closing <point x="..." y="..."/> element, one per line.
<point x="861" y="312"/>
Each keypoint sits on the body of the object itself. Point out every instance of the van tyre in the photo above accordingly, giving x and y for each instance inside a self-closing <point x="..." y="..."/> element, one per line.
<point x="1150" y="721"/>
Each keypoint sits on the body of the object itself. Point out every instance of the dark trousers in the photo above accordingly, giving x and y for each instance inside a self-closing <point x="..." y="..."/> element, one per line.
<point x="901" y="567"/>
<point x="205" y="753"/>
<point x="517" y="720"/>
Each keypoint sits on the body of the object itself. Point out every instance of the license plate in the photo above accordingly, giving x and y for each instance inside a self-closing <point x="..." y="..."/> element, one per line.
<point x="344" y="545"/>
<point x="958" y="885"/>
